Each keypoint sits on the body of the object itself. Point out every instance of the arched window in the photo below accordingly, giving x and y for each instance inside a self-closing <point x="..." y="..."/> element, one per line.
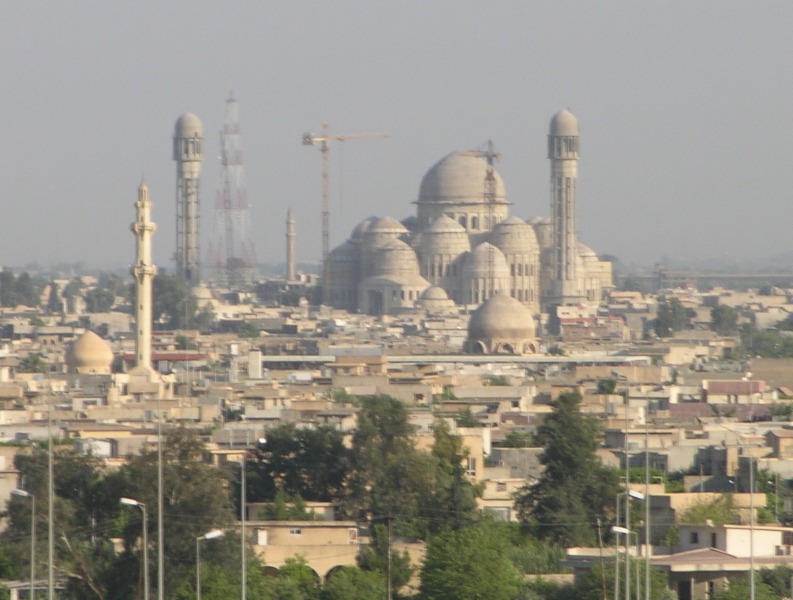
<point x="474" y="222"/>
<point x="463" y="221"/>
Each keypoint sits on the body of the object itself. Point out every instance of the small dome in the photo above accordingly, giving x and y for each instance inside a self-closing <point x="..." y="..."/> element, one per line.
<point x="187" y="126"/>
<point x="478" y="262"/>
<point x="564" y="123"/>
<point x="434" y="293"/>
<point x="501" y="320"/>
<point x="344" y="252"/>
<point x="395" y="258"/>
<point x="361" y="229"/>
<point x="515" y="236"/>
<point x="388" y="225"/>
<point x="411" y="223"/>
<point x="458" y="177"/>
<point x="89" y="354"/>
<point x="586" y="252"/>
<point x="445" y="224"/>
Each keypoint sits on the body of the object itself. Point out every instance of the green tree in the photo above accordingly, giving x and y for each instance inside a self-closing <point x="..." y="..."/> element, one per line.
<point x="309" y="463"/>
<point x="738" y="589"/>
<point x="453" y="501"/>
<point x="99" y="300"/>
<point x="671" y="317"/>
<point x="575" y="489"/>
<point x="374" y="558"/>
<point x="606" y="386"/>
<point x="247" y="330"/>
<point x="388" y="477"/>
<point x="54" y="303"/>
<point x="592" y="583"/>
<point x="352" y="583"/>
<point x="27" y="291"/>
<point x="33" y="363"/>
<point x="8" y="288"/>
<point x="724" y="320"/>
<point x="518" y="439"/>
<point x="720" y="511"/>
<point x="468" y="564"/>
<point x="778" y="579"/>
<point x="196" y="500"/>
<point x="465" y="418"/>
<point x="173" y="302"/>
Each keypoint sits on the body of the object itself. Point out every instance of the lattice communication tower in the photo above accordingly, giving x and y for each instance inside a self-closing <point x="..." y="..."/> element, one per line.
<point x="232" y="254"/>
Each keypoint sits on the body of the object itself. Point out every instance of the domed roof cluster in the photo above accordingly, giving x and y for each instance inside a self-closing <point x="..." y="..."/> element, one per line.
<point x="187" y="126"/>
<point x="461" y="249"/>
<point x="89" y="354"/>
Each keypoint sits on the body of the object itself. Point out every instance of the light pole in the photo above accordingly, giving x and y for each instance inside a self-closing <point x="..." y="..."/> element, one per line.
<point x="209" y="535"/>
<point x="24" y="494"/>
<point x="627" y="533"/>
<point x="142" y="507"/>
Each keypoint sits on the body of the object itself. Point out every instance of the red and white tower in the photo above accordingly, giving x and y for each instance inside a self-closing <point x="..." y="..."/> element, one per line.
<point x="231" y="252"/>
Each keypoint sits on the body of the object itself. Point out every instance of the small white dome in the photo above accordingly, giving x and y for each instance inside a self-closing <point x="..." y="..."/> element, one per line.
<point x="188" y="126"/>
<point x="564" y="123"/>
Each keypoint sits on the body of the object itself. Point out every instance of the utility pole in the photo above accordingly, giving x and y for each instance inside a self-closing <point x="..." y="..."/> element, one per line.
<point x="324" y="139"/>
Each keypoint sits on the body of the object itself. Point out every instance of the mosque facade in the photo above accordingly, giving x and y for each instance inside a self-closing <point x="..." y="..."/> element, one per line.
<point x="463" y="247"/>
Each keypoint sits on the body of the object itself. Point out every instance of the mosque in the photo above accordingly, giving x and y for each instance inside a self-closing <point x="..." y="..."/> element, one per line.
<point x="463" y="248"/>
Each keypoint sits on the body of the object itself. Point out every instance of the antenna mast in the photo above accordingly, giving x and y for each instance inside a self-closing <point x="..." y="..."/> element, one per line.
<point x="232" y="253"/>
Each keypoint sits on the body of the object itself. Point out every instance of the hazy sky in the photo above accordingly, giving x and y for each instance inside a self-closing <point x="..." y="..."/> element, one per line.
<point x="685" y="109"/>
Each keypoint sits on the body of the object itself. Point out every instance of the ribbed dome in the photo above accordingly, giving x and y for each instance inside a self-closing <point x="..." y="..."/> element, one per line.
<point x="187" y="126"/>
<point x="515" y="236"/>
<point x="564" y="123"/>
<point x="445" y="236"/>
<point x="345" y="252"/>
<point x="501" y="317"/>
<point x="89" y="354"/>
<point x="361" y="229"/>
<point x="434" y="293"/>
<point x="457" y="177"/>
<point x="388" y="225"/>
<point x="393" y="259"/>
<point x="445" y="224"/>
<point x="478" y="262"/>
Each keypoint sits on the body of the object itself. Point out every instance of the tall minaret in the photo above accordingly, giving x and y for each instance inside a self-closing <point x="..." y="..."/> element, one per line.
<point x="290" y="246"/>
<point x="188" y="152"/>
<point x="563" y="152"/>
<point x="143" y="271"/>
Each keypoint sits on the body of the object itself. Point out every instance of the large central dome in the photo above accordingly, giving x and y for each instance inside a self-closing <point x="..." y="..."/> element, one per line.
<point x="456" y="186"/>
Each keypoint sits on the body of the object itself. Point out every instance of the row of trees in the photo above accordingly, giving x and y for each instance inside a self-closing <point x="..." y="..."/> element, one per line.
<point x="379" y="478"/>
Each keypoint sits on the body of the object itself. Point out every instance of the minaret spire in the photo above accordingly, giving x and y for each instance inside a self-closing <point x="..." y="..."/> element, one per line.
<point x="290" y="246"/>
<point x="563" y="153"/>
<point x="143" y="271"/>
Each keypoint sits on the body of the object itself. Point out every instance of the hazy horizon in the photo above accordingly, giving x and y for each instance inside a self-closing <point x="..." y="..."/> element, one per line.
<point x="683" y="110"/>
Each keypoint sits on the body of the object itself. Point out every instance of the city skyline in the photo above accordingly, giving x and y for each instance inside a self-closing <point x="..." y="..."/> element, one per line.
<point x="683" y="118"/>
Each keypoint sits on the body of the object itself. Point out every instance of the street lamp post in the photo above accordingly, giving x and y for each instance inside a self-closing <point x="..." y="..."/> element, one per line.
<point x="24" y="494"/>
<point x="142" y="507"/>
<point x="209" y="535"/>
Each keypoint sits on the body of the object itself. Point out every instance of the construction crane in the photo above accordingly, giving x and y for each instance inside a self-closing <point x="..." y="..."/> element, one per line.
<point x="324" y="140"/>
<point x="490" y="155"/>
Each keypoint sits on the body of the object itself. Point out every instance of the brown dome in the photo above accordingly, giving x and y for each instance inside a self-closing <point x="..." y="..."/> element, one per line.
<point x="501" y="324"/>
<point x="89" y="354"/>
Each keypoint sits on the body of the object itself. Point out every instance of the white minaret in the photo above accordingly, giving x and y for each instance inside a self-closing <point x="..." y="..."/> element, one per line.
<point x="188" y="152"/>
<point x="290" y="246"/>
<point x="143" y="271"/>
<point x="563" y="153"/>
